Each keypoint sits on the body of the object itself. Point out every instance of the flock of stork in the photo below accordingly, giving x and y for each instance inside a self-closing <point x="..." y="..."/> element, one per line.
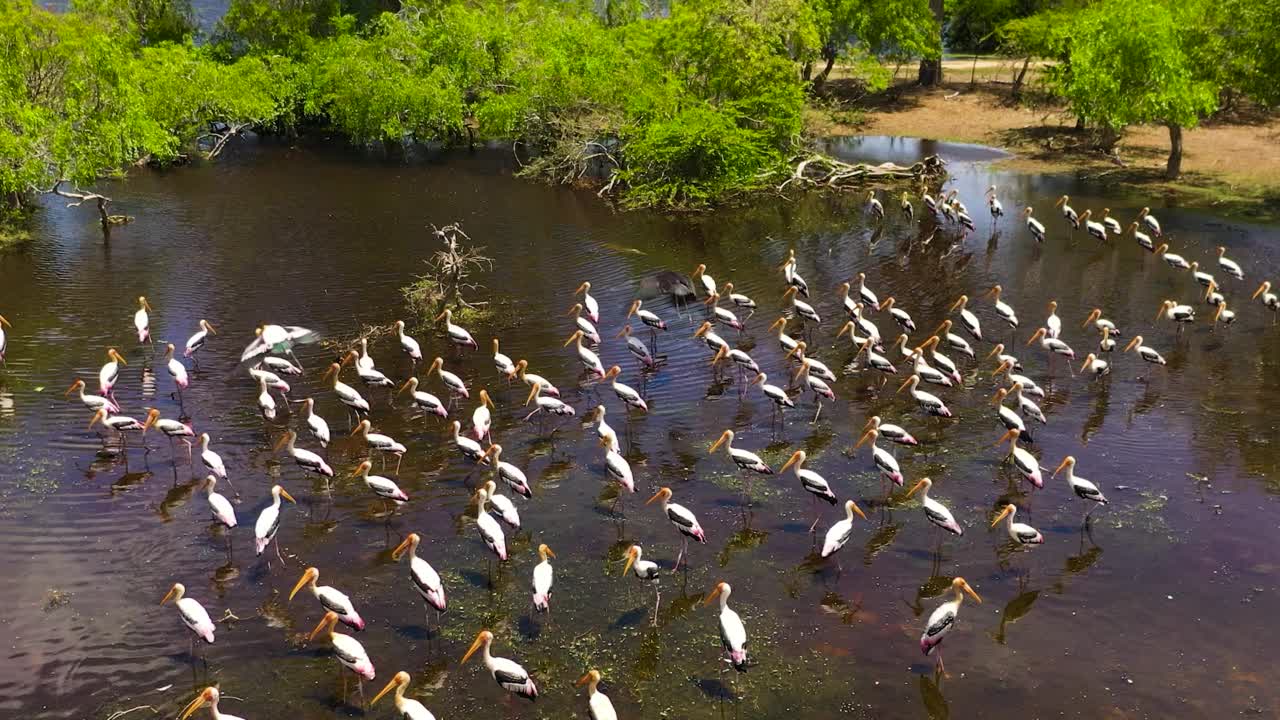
<point x="272" y="354"/>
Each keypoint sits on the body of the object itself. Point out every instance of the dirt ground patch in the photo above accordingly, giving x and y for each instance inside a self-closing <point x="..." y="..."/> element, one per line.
<point x="1235" y="160"/>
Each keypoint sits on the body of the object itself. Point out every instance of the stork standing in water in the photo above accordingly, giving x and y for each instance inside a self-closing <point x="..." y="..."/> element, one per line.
<point x="211" y="697"/>
<point x="426" y="581"/>
<point x="599" y="707"/>
<point x="647" y="571"/>
<point x="406" y="708"/>
<point x="943" y="620"/>
<point x="813" y="483"/>
<point x="684" y="521"/>
<point x="838" y="534"/>
<point x="193" y="615"/>
<point x="198" y="340"/>
<point x="330" y="598"/>
<point x="733" y="635"/>
<point x="349" y="652"/>
<point x="264" y="530"/>
<point x="543" y="576"/>
<point x="509" y="675"/>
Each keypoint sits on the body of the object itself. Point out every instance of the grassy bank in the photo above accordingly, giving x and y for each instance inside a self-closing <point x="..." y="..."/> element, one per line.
<point x="1231" y="162"/>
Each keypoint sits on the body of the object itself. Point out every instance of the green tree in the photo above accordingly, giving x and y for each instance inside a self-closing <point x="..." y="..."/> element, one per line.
<point x="150" y="22"/>
<point x="1119" y="77"/>
<point x="892" y="28"/>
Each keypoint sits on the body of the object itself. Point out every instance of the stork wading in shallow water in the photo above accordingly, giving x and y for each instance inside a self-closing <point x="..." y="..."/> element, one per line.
<point x="589" y="331"/>
<point x="268" y="523"/>
<point x="195" y="343"/>
<point x="589" y="302"/>
<point x="967" y="319"/>
<point x="813" y="483"/>
<point x="646" y="571"/>
<point x="651" y="321"/>
<point x="93" y="402"/>
<point x="1068" y="213"/>
<point x="1082" y="488"/>
<point x="502" y="504"/>
<point x="1034" y="226"/>
<point x="684" y="521"/>
<point x="220" y="508"/>
<point x="1053" y="346"/>
<point x="599" y="707"/>
<point x="792" y="276"/>
<point x="1026" y="463"/>
<point x="884" y="461"/>
<point x="648" y="361"/>
<point x="305" y="459"/>
<point x="1020" y="533"/>
<point x="209" y="696"/>
<point x="1178" y="314"/>
<point x="510" y="475"/>
<point x="406" y="708"/>
<point x="1270" y="300"/>
<point x="934" y="511"/>
<point x="424" y="578"/>
<point x="192" y="614"/>
<point x="408" y="345"/>
<point x="838" y="534"/>
<point x="110" y="372"/>
<point x="1149" y="220"/>
<point x="508" y="674"/>
<point x="330" y="598"/>
<point x="423" y="400"/>
<point x="589" y="359"/>
<point x="347" y="395"/>
<point x="503" y="363"/>
<point x="733" y="634"/>
<point x="457" y="388"/>
<point x="384" y="487"/>
<point x="346" y="649"/>
<point x="490" y="531"/>
<point x="142" y="321"/>
<point x="457" y="334"/>
<point x="547" y="405"/>
<point x="315" y="424"/>
<point x="543" y="577"/>
<point x="742" y="459"/>
<point x="943" y="620"/>
<point x="929" y="402"/>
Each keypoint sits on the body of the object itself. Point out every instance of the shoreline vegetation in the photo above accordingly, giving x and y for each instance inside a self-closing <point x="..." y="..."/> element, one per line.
<point x="681" y="106"/>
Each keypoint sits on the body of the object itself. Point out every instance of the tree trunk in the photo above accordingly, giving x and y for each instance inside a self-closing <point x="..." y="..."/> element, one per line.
<point x="1174" y="168"/>
<point x="931" y="69"/>
<point x="829" y="53"/>
<point x="1022" y="75"/>
<point x="806" y="72"/>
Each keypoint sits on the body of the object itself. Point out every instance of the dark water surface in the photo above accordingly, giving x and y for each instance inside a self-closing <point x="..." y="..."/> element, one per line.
<point x="1165" y="608"/>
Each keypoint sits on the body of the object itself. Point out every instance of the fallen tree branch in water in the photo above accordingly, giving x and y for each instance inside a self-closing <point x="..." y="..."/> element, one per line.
<point x="102" y="201"/>
<point x="816" y="170"/>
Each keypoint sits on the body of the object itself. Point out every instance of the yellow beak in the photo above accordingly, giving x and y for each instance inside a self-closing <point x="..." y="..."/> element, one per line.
<point x="472" y="650"/>
<point x="390" y="686"/>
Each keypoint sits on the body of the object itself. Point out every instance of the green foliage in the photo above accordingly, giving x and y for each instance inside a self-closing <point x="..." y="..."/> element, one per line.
<point x="973" y="26"/>
<point x="1250" y="51"/>
<point x="1120" y="77"/>
<point x="150" y="21"/>
<point x="285" y="27"/>
<point x="84" y="95"/>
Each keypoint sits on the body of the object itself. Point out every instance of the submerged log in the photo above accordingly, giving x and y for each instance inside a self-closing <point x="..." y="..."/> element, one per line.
<point x="817" y="170"/>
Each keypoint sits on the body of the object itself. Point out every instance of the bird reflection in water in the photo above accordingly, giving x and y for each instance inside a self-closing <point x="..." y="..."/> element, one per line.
<point x="931" y="695"/>
<point x="1016" y="609"/>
